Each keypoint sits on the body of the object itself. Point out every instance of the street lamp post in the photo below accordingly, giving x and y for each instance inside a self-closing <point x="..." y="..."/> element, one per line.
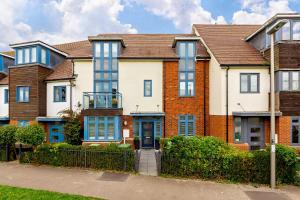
<point x="272" y="31"/>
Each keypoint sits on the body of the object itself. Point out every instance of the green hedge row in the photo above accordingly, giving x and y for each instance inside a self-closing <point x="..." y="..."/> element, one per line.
<point x="111" y="157"/>
<point x="211" y="158"/>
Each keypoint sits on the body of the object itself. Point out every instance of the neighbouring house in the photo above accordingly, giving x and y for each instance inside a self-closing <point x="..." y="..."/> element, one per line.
<point x="214" y="81"/>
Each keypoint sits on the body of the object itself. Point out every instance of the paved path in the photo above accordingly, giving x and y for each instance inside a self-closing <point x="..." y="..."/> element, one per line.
<point x="132" y="187"/>
<point x="147" y="165"/>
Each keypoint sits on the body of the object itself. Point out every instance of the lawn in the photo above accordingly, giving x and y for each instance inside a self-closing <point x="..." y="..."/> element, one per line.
<point x="13" y="193"/>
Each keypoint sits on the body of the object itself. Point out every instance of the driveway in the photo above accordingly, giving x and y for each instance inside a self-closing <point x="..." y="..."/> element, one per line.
<point x="124" y="186"/>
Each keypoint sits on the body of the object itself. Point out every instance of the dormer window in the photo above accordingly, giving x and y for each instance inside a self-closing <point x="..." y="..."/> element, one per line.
<point x="28" y="55"/>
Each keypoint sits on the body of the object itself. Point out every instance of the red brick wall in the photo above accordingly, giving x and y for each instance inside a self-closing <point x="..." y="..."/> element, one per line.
<point x="284" y="130"/>
<point x="175" y="105"/>
<point x="129" y="120"/>
<point x="217" y="127"/>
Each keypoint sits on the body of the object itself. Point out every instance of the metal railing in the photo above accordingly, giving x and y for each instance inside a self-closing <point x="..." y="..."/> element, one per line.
<point x="94" y="100"/>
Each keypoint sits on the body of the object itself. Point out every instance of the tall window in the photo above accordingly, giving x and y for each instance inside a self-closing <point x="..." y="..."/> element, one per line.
<point x="147" y="88"/>
<point x="5" y="96"/>
<point x="186" y="125"/>
<point x="249" y="83"/>
<point x="286" y="31"/>
<point x="22" y="94"/>
<point x="43" y="56"/>
<point x="20" y="56"/>
<point x="101" y="128"/>
<point x="295" y="136"/>
<point x="186" y="51"/>
<point x="106" y="66"/>
<point x="59" y="93"/>
<point x="285" y="80"/>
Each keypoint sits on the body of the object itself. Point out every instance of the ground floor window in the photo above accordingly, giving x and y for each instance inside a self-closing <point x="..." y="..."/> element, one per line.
<point x="295" y="136"/>
<point x="101" y="128"/>
<point x="186" y="125"/>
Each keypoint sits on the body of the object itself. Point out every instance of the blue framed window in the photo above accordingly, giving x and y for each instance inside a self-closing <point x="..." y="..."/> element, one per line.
<point x="1" y="64"/>
<point x="147" y="88"/>
<point x="186" y="125"/>
<point x="106" y="66"/>
<point x="6" y="96"/>
<point x="22" y="123"/>
<point x="60" y="93"/>
<point x="23" y="93"/>
<point x="32" y="54"/>
<point x="295" y="128"/>
<point x="101" y="128"/>
<point x="186" y="71"/>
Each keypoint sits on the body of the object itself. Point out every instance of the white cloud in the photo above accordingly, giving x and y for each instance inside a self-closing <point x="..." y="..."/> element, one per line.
<point x="182" y="13"/>
<point x="76" y="19"/>
<point x="259" y="11"/>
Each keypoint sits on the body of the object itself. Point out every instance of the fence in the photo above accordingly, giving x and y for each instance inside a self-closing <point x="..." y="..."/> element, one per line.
<point x="84" y="158"/>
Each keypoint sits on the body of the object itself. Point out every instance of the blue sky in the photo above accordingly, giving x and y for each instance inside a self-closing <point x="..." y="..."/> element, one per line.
<point x="58" y="21"/>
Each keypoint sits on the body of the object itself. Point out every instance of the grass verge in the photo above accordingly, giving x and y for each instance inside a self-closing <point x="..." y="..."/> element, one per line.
<point x="14" y="193"/>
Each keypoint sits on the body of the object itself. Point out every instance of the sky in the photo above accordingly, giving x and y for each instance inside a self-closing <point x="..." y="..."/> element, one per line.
<point x="59" y="21"/>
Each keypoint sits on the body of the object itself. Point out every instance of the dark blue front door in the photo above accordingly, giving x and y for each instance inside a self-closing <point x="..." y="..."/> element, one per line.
<point x="147" y="134"/>
<point x="56" y="133"/>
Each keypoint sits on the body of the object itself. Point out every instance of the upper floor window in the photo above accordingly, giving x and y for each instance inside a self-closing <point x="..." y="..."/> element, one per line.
<point x="186" y="125"/>
<point x="22" y="94"/>
<point x="59" y="93"/>
<point x="249" y="83"/>
<point x="5" y="96"/>
<point x="296" y="30"/>
<point x="26" y="55"/>
<point x="289" y="81"/>
<point x="147" y="88"/>
<point x="32" y="54"/>
<point x="106" y="66"/>
<point x="186" y="51"/>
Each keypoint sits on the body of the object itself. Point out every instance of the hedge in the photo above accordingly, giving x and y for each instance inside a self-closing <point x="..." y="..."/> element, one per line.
<point x="211" y="158"/>
<point x="110" y="157"/>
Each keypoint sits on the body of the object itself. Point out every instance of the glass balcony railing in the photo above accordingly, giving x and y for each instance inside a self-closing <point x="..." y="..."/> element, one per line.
<point x="95" y="100"/>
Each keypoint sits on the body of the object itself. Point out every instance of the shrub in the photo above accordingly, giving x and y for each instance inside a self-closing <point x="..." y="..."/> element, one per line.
<point x="32" y="135"/>
<point x="72" y="132"/>
<point x="110" y="157"/>
<point x="8" y="135"/>
<point x="209" y="157"/>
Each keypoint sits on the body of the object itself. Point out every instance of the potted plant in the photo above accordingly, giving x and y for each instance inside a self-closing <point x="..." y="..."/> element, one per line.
<point x="136" y="142"/>
<point x="157" y="143"/>
<point x="114" y="103"/>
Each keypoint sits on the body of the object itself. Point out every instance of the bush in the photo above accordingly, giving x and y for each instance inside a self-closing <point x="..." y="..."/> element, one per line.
<point x="8" y="135"/>
<point x="32" y="135"/>
<point x="72" y="132"/>
<point x="209" y="157"/>
<point x="110" y="157"/>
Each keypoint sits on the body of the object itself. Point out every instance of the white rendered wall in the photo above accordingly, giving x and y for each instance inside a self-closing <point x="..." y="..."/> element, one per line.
<point x="84" y="81"/>
<point x="3" y="107"/>
<point x="131" y="84"/>
<point x="54" y="107"/>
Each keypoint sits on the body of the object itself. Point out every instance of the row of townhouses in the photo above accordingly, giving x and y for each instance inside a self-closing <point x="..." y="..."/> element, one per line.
<point x="214" y="81"/>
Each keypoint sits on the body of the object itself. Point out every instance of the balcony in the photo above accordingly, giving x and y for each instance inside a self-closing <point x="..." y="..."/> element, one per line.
<point x="102" y="100"/>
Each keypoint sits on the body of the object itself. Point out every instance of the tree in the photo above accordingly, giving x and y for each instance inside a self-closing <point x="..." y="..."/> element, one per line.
<point x="72" y="127"/>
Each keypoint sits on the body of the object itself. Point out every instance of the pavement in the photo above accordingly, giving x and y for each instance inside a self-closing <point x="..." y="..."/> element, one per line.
<point x="129" y="186"/>
<point x="147" y="164"/>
